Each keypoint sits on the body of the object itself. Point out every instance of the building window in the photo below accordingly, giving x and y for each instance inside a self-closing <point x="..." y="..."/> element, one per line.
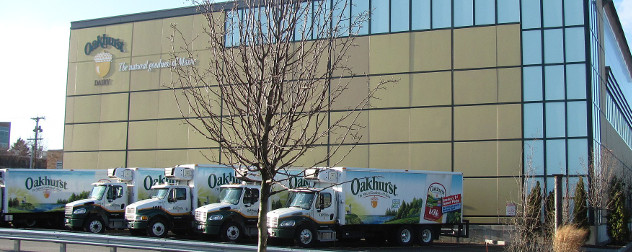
<point x="552" y="13"/>
<point x="379" y="16"/>
<point x="463" y="13"/>
<point x="531" y="14"/>
<point x="400" y="15"/>
<point x="508" y="11"/>
<point x="341" y="15"/>
<point x="358" y="8"/>
<point x="577" y="119"/>
<point x="532" y="83"/>
<point x="555" y="119"/>
<point x="531" y="47"/>
<point x="555" y="157"/>
<point x="575" y="45"/>
<point x="576" y="81"/>
<point x="553" y="46"/>
<point x="421" y="14"/>
<point x="534" y="157"/>
<point x="303" y="25"/>
<point x="485" y="12"/>
<point x="441" y="14"/>
<point x="533" y="121"/>
<point x="573" y="12"/>
<point x="554" y="82"/>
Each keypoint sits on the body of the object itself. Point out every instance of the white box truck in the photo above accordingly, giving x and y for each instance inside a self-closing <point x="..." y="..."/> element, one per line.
<point x="105" y="206"/>
<point x="235" y="216"/>
<point x="354" y="203"/>
<point x="38" y="196"/>
<point x="172" y="204"/>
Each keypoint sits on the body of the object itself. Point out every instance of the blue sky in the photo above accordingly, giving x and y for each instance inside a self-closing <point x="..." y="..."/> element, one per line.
<point x="35" y="56"/>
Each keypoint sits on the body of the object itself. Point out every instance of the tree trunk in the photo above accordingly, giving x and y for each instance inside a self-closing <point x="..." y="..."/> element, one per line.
<point x="262" y="225"/>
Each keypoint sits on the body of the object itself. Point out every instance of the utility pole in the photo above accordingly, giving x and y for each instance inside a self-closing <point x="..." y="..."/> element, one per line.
<point x="37" y="130"/>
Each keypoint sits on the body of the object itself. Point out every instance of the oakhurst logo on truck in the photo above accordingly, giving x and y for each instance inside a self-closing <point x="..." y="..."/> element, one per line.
<point x="31" y="183"/>
<point x="224" y="179"/>
<point x="296" y="182"/>
<point x="358" y="186"/>
<point x="149" y="182"/>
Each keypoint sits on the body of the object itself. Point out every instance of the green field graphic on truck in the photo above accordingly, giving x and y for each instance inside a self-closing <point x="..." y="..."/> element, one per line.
<point x="31" y="193"/>
<point x="400" y="198"/>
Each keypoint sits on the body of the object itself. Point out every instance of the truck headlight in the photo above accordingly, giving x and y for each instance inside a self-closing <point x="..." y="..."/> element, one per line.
<point x="79" y="211"/>
<point x="141" y="217"/>
<point x="216" y="217"/>
<point x="287" y="223"/>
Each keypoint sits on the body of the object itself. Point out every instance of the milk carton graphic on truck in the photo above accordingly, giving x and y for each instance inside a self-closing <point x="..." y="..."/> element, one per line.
<point x="400" y="205"/>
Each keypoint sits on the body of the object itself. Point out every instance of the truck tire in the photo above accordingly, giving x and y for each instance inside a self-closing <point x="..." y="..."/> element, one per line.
<point x="27" y="223"/>
<point x="404" y="236"/>
<point x="305" y="236"/>
<point x="157" y="228"/>
<point x="426" y="235"/>
<point x="95" y="225"/>
<point x="231" y="232"/>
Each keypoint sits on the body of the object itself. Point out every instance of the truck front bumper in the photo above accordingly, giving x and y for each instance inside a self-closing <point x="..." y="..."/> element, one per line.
<point x="74" y="223"/>
<point x="207" y="228"/>
<point x="283" y="233"/>
<point x="137" y="224"/>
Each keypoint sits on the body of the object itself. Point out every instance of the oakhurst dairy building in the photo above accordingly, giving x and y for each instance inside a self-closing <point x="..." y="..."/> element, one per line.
<point x="486" y="87"/>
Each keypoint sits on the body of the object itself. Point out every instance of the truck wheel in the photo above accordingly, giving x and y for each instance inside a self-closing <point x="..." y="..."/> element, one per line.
<point x="29" y="223"/>
<point x="305" y="236"/>
<point x="426" y="235"/>
<point x="231" y="232"/>
<point x="157" y="228"/>
<point x="404" y="236"/>
<point x="95" y="225"/>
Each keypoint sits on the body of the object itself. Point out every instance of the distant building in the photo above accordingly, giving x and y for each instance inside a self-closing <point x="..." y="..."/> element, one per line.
<point x="54" y="159"/>
<point x="5" y="135"/>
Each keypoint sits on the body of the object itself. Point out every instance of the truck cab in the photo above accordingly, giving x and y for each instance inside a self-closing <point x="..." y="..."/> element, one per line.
<point x="169" y="207"/>
<point x="234" y="217"/>
<point x="310" y="217"/>
<point x="105" y="206"/>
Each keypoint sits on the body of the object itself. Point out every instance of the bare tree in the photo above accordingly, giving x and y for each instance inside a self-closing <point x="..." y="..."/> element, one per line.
<point x="601" y="172"/>
<point x="528" y="219"/>
<point x="265" y="97"/>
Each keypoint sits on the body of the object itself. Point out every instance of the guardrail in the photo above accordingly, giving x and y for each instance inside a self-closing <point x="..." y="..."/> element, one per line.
<point x="114" y="242"/>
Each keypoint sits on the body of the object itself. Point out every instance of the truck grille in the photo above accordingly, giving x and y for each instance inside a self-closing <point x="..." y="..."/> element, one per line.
<point x="200" y="215"/>
<point x="273" y="222"/>
<point x="68" y="210"/>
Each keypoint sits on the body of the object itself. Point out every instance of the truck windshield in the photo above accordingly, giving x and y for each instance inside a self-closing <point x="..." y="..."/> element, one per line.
<point x="302" y="200"/>
<point x="160" y="193"/>
<point x="97" y="192"/>
<point x="230" y="195"/>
